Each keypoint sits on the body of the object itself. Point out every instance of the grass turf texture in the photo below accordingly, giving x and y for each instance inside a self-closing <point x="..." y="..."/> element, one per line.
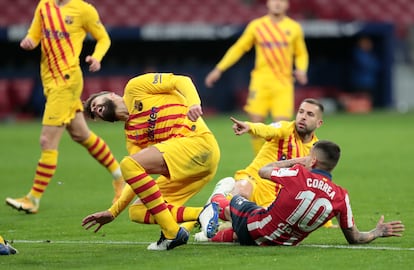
<point x="376" y="167"/>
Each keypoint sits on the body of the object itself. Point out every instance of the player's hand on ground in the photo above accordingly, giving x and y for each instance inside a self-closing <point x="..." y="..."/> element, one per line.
<point x="100" y="218"/>
<point x="94" y="65"/>
<point x="27" y="44"/>
<point x="194" y="112"/>
<point x="212" y="77"/>
<point x="239" y="127"/>
<point x="387" y="229"/>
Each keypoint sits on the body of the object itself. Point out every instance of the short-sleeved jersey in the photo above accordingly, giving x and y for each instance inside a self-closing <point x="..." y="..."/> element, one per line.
<point x="278" y="47"/>
<point x="158" y="104"/>
<point x="307" y="200"/>
<point x="61" y="31"/>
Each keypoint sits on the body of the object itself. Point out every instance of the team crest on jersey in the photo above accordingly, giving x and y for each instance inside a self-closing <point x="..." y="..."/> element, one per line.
<point x="287" y="32"/>
<point x="68" y="19"/>
<point x="138" y="105"/>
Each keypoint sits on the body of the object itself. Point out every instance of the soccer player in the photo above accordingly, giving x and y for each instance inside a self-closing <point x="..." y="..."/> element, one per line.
<point x="284" y="140"/>
<point x="281" y="53"/>
<point x="165" y="136"/>
<point x="61" y="26"/>
<point x="308" y="199"/>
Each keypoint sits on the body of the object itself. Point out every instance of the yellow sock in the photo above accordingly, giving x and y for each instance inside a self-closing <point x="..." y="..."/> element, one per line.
<point x="45" y="170"/>
<point x="184" y="213"/>
<point x="140" y="214"/>
<point x="100" y="151"/>
<point x="148" y="191"/>
<point x="189" y="225"/>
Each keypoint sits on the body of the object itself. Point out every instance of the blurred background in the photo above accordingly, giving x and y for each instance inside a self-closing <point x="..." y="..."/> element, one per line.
<point x="190" y="36"/>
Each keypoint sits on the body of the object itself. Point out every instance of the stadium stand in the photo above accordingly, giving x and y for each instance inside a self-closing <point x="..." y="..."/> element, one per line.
<point x="124" y="13"/>
<point x="137" y="13"/>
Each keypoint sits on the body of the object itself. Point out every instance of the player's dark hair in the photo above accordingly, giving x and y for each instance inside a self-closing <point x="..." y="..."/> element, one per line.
<point x="87" y="104"/>
<point x="328" y="154"/>
<point x="314" y="102"/>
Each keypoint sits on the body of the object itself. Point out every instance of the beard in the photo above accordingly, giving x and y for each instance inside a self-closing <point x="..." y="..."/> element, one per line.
<point x="109" y="112"/>
<point x="303" y="131"/>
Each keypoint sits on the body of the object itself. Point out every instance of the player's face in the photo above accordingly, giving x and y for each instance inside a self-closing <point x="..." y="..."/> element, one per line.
<point x="104" y="107"/>
<point x="277" y="7"/>
<point x="308" y="118"/>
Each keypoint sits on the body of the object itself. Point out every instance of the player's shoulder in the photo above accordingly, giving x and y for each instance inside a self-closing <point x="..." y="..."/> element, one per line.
<point x="292" y="22"/>
<point x="259" y="20"/>
<point x="85" y="5"/>
<point x="288" y="126"/>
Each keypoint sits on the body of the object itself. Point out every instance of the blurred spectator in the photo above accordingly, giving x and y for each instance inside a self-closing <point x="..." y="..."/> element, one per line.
<point x="365" y="67"/>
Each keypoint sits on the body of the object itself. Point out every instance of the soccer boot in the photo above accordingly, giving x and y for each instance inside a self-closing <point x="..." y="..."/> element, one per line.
<point x="209" y="219"/>
<point x="27" y="203"/>
<point x="118" y="186"/>
<point x="166" y="244"/>
<point x="224" y="186"/>
<point x="6" y="248"/>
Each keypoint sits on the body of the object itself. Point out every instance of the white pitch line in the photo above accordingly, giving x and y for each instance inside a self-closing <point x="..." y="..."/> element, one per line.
<point x="365" y="247"/>
<point x="362" y="247"/>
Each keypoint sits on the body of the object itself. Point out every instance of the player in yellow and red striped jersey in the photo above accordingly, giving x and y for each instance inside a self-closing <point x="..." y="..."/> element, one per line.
<point x="280" y="55"/>
<point x="60" y="27"/>
<point x="165" y="136"/>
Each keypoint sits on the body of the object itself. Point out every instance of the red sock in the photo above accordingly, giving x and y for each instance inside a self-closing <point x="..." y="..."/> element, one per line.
<point x="225" y="235"/>
<point x="223" y="202"/>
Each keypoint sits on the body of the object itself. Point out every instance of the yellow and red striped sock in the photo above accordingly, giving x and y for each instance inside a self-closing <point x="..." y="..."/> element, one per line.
<point x="140" y="214"/>
<point x="148" y="191"/>
<point x="100" y="151"/>
<point x="45" y="170"/>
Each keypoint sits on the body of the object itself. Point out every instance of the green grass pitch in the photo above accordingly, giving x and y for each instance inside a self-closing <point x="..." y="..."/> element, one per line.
<point x="377" y="168"/>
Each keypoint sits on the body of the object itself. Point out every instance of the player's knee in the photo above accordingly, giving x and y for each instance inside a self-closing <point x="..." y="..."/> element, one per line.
<point x="45" y="142"/>
<point x="79" y="136"/>
<point x="130" y="167"/>
<point x="243" y="188"/>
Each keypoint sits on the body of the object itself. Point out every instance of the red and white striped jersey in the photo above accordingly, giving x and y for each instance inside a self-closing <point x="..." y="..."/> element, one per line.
<point x="307" y="200"/>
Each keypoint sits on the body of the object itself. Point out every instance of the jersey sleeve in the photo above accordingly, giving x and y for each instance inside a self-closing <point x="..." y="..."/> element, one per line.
<point x="345" y="217"/>
<point x="93" y="25"/>
<point x="300" y="51"/>
<point x="265" y="131"/>
<point x="35" y="30"/>
<point x="238" y="49"/>
<point x="278" y="174"/>
<point x="126" y="197"/>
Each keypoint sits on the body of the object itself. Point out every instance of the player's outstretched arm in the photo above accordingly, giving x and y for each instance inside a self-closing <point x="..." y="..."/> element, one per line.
<point x="383" y="229"/>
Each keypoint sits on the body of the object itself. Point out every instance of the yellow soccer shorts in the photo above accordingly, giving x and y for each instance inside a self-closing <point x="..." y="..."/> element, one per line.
<point x="269" y="95"/>
<point x="263" y="191"/>
<point x="62" y="100"/>
<point x="192" y="163"/>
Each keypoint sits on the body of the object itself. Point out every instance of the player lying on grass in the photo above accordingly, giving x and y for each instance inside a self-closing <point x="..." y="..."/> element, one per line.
<point x="306" y="200"/>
